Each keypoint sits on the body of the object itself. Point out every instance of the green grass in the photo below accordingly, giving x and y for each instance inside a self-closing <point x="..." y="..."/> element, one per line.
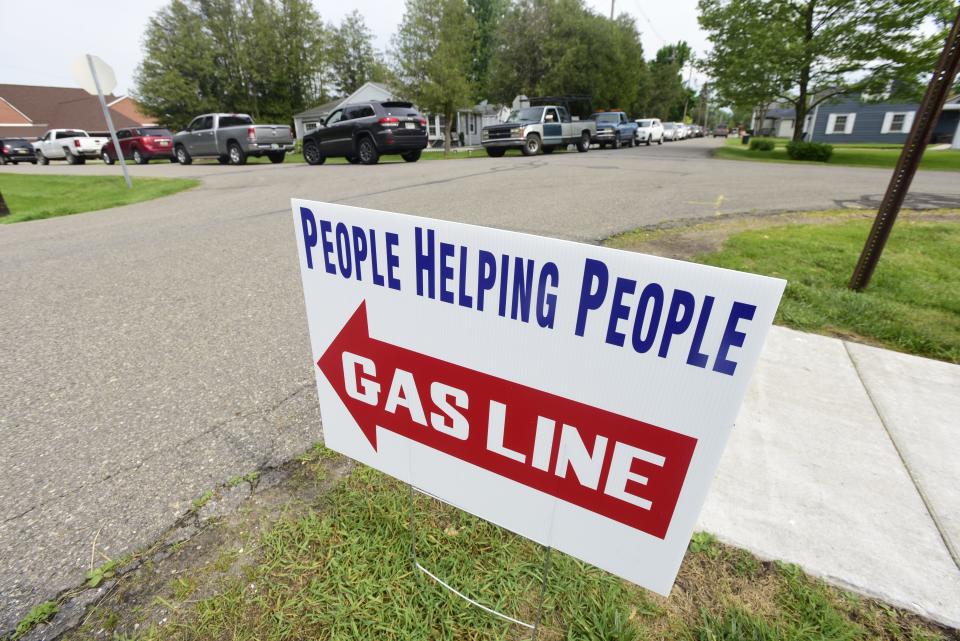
<point x="37" y="615"/>
<point x="911" y="305"/>
<point x="36" y="197"/>
<point x="342" y="571"/>
<point x="858" y="155"/>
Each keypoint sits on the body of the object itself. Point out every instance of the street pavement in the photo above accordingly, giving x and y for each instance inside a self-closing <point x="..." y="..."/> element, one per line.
<point x="152" y="352"/>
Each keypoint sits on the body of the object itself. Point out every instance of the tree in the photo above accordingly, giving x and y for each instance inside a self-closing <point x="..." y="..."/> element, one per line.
<point x="805" y="52"/>
<point x="433" y="51"/>
<point x="262" y="57"/>
<point x="351" y="55"/>
<point x="488" y="15"/>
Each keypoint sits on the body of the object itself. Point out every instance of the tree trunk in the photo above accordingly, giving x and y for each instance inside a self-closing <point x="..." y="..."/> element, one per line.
<point x="447" y="129"/>
<point x="803" y="97"/>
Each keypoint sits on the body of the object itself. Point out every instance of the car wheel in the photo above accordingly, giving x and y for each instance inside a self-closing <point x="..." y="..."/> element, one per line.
<point x="43" y="159"/>
<point x="411" y="156"/>
<point x="353" y="160"/>
<point x="139" y="158"/>
<point x="3" y="160"/>
<point x="367" y="151"/>
<point x="236" y="154"/>
<point x="548" y="149"/>
<point x="107" y="160"/>
<point x="277" y="157"/>
<point x="532" y="145"/>
<point x="183" y="156"/>
<point x="173" y="159"/>
<point x="649" y="139"/>
<point x="660" y="142"/>
<point x="33" y="162"/>
<point x="496" y="152"/>
<point x="70" y="158"/>
<point x="312" y="154"/>
<point x="223" y="159"/>
<point x="584" y="143"/>
<point x="616" y="142"/>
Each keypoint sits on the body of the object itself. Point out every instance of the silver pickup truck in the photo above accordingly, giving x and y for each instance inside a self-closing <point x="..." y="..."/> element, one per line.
<point x="230" y="138"/>
<point x="536" y="129"/>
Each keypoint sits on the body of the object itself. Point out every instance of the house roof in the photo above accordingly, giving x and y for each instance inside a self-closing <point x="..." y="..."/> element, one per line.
<point x="327" y="107"/>
<point x="34" y="109"/>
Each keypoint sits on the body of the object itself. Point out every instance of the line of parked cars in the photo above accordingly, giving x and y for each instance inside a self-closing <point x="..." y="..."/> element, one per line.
<point x="361" y="133"/>
<point x="542" y="129"/>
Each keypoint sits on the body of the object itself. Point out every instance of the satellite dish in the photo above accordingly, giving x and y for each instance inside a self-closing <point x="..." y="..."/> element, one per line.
<point x="84" y="76"/>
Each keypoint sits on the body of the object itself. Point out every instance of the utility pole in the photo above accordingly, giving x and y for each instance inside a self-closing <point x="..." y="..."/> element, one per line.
<point x="937" y="91"/>
<point x="612" y="2"/>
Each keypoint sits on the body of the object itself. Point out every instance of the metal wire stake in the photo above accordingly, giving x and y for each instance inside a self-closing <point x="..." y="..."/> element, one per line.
<point x="543" y="591"/>
<point x="413" y="535"/>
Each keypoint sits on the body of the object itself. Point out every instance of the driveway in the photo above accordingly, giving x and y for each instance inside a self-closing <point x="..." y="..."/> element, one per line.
<point x="154" y="351"/>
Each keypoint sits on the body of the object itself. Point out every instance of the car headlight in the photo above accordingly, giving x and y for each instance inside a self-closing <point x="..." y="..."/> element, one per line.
<point x="485" y="134"/>
<point x="516" y="132"/>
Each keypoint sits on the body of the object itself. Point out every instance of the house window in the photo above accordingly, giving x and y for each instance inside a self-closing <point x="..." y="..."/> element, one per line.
<point x="897" y="122"/>
<point x="309" y="126"/>
<point x="840" y="123"/>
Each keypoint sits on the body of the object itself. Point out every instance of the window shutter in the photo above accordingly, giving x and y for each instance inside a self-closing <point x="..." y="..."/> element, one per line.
<point x="908" y="121"/>
<point x="851" y="118"/>
<point x="831" y="121"/>
<point x="887" y="121"/>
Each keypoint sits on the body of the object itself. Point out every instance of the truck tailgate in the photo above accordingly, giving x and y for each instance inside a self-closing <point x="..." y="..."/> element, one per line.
<point x="273" y="134"/>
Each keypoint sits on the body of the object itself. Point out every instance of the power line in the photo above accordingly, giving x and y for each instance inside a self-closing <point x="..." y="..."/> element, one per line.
<point x="649" y="22"/>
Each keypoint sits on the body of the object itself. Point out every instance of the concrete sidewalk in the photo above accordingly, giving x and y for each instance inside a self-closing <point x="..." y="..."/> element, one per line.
<point x="844" y="460"/>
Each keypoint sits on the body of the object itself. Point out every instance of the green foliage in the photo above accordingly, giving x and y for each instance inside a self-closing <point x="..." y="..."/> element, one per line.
<point x="553" y="47"/>
<point x="37" y="615"/>
<point x="804" y="52"/>
<point x="798" y="150"/>
<point x="705" y="543"/>
<point x="761" y="144"/>
<point x="735" y="624"/>
<point x="268" y="58"/>
<point x="912" y="304"/>
<point x="351" y="57"/>
<point x="108" y="570"/>
<point x="434" y="47"/>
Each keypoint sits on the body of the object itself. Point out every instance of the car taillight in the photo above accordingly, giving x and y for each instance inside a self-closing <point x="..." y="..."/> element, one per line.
<point x="423" y="122"/>
<point x="76" y="142"/>
<point x="6" y="148"/>
<point x="251" y="133"/>
<point x="389" y="121"/>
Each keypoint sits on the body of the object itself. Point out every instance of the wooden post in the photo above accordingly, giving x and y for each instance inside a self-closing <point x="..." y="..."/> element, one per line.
<point x="930" y="109"/>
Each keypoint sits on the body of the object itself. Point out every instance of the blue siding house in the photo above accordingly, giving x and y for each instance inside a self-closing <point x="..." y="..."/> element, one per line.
<point x="851" y="121"/>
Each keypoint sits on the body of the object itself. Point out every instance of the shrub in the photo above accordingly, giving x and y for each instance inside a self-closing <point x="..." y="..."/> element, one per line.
<point x="818" y="151"/>
<point x="761" y="144"/>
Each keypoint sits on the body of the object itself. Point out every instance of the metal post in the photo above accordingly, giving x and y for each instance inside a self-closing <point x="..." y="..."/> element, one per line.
<point x="106" y="114"/>
<point x="930" y="109"/>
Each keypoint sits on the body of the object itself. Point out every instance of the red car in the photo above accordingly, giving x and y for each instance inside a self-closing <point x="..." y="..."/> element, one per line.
<point x="141" y="145"/>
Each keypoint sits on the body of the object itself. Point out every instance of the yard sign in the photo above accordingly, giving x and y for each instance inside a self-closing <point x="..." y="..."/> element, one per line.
<point x="576" y="395"/>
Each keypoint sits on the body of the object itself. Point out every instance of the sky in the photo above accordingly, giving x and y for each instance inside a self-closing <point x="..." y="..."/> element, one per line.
<point x="40" y="51"/>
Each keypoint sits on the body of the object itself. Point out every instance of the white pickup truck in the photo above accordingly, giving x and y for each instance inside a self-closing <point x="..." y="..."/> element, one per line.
<point x="72" y="145"/>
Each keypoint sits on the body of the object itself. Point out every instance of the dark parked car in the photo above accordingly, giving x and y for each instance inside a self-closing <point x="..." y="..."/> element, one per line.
<point x="721" y="131"/>
<point x="16" y="150"/>
<point x="365" y="131"/>
<point x="141" y="145"/>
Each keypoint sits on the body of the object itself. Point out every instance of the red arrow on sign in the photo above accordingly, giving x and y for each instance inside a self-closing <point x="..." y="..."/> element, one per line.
<point x="619" y="467"/>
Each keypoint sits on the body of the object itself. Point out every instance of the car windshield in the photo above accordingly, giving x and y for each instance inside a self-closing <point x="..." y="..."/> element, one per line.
<point x="155" y="131"/>
<point x="668" y="125"/>
<point x="643" y="123"/>
<point x="528" y="114"/>
<point x="607" y="118"/>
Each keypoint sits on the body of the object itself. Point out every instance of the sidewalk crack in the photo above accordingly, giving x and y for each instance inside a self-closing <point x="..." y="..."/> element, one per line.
<point x="927" y="503"/>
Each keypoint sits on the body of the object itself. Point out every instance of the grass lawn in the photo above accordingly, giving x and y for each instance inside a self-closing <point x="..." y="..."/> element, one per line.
<point x="339" y="569"/>
<point x="859" y="155"/>
<point x="913" y="301"/>
<point x="36" y="197"/>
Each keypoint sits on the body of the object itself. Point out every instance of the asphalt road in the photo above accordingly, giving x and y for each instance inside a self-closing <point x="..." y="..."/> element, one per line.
<point x="149" y="353"/>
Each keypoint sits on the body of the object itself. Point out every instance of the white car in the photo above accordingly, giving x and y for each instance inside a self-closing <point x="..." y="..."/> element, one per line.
<point x="649" y="130"/>
<point x="671" y="131"/>
<point x="72" y="145"/>
<point x="683" y="132"/>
